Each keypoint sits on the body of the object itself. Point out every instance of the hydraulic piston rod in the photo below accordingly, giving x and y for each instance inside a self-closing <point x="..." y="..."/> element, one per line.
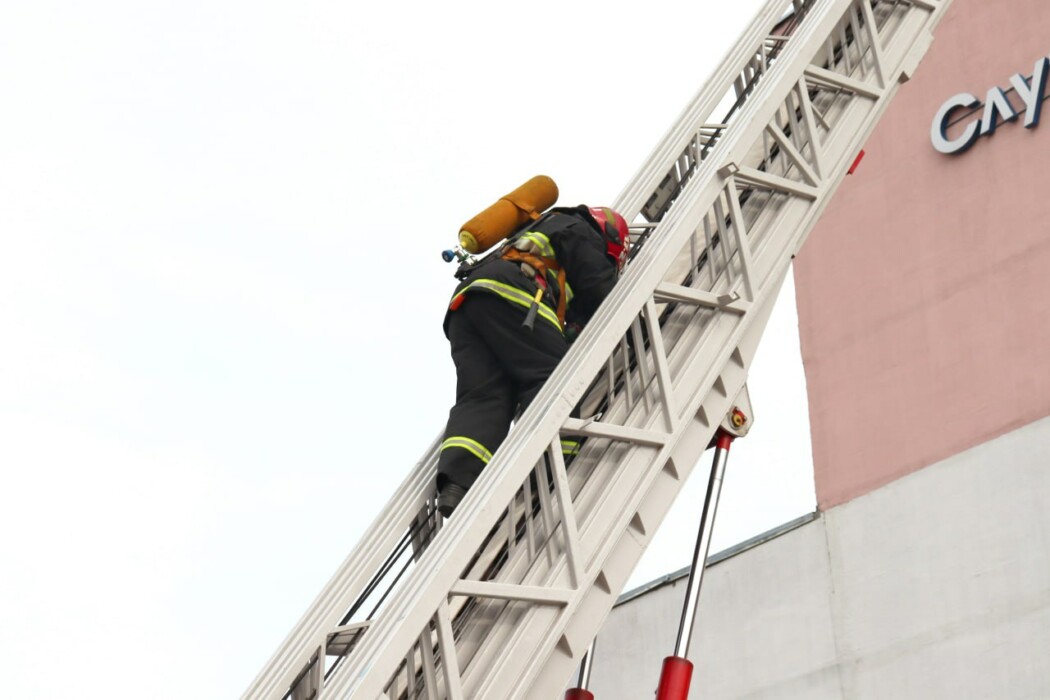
<point x="703" y="544"/>
<point x="677" y="672"/>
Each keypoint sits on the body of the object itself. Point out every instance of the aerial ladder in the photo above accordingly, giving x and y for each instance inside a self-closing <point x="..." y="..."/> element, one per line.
<point x="503" y="599"/>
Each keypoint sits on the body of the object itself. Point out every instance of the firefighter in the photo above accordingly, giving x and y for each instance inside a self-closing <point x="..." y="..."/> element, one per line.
<point x="511" y="320"/>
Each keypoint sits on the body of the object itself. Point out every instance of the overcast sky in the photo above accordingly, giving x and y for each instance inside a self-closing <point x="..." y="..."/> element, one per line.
<point x="221" y="298"/>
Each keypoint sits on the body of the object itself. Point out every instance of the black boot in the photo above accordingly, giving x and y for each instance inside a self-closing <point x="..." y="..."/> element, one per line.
<point x="449" y="497"/>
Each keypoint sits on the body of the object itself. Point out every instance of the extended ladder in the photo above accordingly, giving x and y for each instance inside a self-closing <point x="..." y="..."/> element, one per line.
<point x="505" y="599"/>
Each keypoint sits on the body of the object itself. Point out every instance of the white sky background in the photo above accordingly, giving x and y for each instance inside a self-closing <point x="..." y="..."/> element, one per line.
<point x="221" y="298"/>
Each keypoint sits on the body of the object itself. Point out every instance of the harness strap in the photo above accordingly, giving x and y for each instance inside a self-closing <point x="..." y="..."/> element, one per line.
<point x="542" y="265"/>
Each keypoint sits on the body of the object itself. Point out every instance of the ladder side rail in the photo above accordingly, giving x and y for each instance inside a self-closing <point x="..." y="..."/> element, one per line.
<point x="801" y="61"/>
<point x="299" y="645"/>
<point x="347" y="583"/>
<point x="757" y="32"/>
<point x="868" y="15"/>
<point x="436" y="572"/>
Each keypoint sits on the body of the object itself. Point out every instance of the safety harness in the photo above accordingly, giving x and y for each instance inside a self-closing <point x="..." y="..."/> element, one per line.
<point x="533" y="251"/>
<point x="542" y="266"/>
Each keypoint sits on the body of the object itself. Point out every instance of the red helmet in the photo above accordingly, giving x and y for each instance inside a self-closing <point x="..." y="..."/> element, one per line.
<point x="614" y="228"/>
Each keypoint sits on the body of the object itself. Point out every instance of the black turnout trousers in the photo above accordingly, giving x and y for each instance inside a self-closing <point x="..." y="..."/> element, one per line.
<point x="500" y="366"/>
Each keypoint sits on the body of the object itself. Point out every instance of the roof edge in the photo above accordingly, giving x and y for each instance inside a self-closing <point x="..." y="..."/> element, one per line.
<point x="719" y="556"/>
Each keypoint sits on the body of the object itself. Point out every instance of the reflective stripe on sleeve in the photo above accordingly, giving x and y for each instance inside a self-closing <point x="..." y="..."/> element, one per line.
<point x="541" y="241"/>
<point x="570" y="447"/>
<point x="472" y="446"/>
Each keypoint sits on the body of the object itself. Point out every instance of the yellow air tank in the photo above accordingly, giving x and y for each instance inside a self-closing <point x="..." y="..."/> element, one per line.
<point x="508" y="214"/>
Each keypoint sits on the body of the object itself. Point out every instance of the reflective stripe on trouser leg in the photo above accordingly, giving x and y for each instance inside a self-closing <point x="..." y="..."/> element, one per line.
<point x="570" y="448"/>
<point x="472" y="446"/>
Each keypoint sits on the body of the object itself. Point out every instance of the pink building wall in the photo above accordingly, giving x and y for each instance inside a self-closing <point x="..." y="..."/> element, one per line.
<point x="924" y="292"/>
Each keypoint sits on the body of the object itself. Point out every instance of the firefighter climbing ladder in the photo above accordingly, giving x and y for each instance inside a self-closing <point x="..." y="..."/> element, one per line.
<point x="504" y="599"/>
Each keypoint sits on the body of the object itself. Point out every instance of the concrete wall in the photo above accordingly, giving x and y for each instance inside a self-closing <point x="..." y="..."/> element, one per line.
<point x="924" y="293"/>
<point x="934" y="586"/>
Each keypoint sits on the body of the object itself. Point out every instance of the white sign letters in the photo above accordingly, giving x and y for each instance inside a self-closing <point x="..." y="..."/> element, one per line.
<point x="997" y="109"/>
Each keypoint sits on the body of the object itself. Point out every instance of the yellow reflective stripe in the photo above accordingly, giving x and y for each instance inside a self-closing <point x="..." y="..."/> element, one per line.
<point x="515" y="296"/>
<point x="541" y="241"/>
<point x="570" y="447"/>
<point x="472" y="446"/>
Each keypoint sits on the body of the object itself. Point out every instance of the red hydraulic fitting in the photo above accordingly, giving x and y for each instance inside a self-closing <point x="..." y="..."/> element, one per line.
<point x="738" y="418"/>
<point x="578" y="694"/>
<point x="674" y="679"/>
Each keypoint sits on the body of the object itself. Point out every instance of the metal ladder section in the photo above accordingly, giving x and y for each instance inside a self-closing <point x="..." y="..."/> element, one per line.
<point x="502" y="600"/>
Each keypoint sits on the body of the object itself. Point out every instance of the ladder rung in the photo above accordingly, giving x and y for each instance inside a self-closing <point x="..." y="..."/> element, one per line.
<point x="592" y="428"/>
<point x="341" y="637"/>
<point x="666" y="292"/>
<point x="826" y="77"/>
<point x="507" y="591"/>
<point x="758" y="178"/>
<point x="352" y="627"/>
